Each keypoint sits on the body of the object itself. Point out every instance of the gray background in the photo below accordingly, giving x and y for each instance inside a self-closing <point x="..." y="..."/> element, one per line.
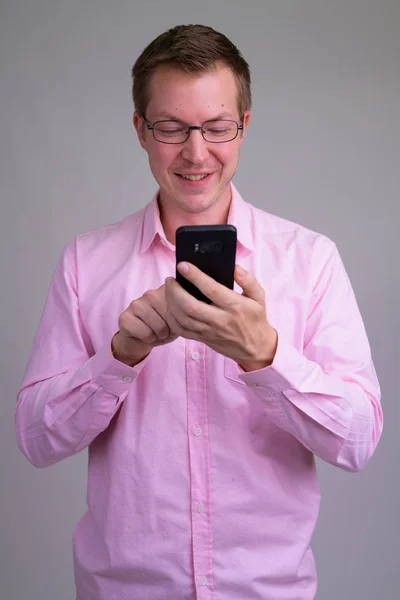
<point x="322" y="150"/>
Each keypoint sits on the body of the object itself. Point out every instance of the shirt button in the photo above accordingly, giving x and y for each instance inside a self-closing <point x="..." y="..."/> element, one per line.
<point x="203" y="580"/>
<point x="200" y="508"/>
<point x="195" y="355"/>
<point x="198" y="431"/>
<point x="127" y="379"/>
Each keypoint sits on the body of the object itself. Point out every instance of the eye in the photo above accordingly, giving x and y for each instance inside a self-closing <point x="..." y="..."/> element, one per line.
<point x="217" y="130"/>
<point x="171" y="128"/>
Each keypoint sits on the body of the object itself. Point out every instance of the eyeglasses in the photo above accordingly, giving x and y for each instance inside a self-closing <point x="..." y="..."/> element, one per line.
<point x="215" y="131"/>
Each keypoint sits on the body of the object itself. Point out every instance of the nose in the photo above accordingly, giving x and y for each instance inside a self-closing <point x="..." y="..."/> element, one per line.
<point x="195" y="148"/>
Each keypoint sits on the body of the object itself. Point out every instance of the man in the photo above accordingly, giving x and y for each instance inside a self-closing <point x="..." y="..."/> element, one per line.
<point x="202" y="421"/>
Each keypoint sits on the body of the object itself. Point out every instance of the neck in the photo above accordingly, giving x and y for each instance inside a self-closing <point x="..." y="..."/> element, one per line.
<point x="217" y="214"/>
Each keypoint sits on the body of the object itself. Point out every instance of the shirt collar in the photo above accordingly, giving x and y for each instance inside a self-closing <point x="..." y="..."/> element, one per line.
<point x="239" y="216"/>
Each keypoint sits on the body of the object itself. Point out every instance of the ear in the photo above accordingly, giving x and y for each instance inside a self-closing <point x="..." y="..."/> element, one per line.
<point x="140" y="127"/>
<point x="246" y="121"/>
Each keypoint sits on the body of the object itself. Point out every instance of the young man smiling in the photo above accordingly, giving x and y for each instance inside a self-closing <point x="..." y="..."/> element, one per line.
<point x="202" y="421"/>
<point x="192" y="99"/>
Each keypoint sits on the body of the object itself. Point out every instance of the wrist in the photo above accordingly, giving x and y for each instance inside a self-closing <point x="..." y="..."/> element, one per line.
<point x="261" y="362"/>
<point x="255" y="366"/>
<point x="127" y="356"/>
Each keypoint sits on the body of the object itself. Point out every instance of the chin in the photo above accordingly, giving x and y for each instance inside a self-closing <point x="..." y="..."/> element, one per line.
<point x="196" y="203"/>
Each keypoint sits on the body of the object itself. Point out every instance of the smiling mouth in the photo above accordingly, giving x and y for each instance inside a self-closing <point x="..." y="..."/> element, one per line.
<point x="194" y="177"/>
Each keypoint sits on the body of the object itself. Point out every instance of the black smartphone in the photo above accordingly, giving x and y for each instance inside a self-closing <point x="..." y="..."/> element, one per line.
<point x="211" y="248"/>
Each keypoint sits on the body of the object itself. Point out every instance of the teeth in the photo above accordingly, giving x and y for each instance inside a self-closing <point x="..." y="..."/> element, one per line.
<point x="194" y="177"/>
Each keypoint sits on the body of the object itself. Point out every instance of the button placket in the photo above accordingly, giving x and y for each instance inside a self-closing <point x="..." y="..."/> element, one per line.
<point x="199" y="468"/>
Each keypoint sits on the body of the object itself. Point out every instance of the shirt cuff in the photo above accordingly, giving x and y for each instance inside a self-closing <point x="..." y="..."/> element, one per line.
<point x="112" y="374"/>
<point x="284" y="372"/>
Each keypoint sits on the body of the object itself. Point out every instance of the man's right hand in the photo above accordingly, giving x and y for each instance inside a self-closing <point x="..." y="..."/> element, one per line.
<point x="142" y="327"/>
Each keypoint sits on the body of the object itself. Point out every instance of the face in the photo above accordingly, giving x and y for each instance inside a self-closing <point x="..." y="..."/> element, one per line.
<point x="193" y="100"/>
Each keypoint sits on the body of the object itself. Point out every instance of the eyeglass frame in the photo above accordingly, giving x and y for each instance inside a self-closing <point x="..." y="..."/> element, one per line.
<point x="191" y="128"/>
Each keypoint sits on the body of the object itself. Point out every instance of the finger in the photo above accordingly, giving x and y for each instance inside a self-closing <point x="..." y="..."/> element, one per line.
<point x="219" y="294"/>
<point x="249" y="284"/>
<point x="132" y="326"/>
<point x="188" y="311"/>
<point x="181" y="331"/>
<point x="150" y="309"/>
<point x="188" y="323"/>
<point x="148" y="328"/>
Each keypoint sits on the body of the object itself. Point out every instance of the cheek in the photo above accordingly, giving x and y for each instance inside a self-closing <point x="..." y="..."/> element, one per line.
<point x="228" y="155"/>
<point x="162" y="156"/>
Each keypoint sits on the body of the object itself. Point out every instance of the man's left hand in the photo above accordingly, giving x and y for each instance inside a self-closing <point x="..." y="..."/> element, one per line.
<point x="234" y="325"/>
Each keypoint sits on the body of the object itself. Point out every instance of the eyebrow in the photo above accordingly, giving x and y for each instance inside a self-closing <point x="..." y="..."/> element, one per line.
<point x="170" y="117"/>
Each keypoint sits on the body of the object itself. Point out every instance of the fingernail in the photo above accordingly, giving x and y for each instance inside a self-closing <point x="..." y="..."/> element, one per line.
<point x="183" y="267"/>
<point x="168" y="280"/>
<point x="241" y="272"/>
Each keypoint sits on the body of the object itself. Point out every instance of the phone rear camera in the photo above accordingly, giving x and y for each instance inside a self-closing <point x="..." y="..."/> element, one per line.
<point x="205" y="247"/>
<point x="208" y="247"/>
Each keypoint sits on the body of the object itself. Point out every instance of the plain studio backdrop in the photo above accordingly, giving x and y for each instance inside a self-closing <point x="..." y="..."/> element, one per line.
<point x="322" y="150"/>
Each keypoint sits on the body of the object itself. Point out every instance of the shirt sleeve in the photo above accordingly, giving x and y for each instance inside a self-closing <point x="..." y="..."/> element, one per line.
<point x="69" y="393"/>
<point x="327" y="396"/>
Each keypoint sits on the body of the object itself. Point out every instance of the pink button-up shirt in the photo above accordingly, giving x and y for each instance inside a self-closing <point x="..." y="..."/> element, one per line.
<point x="202" y="481"/>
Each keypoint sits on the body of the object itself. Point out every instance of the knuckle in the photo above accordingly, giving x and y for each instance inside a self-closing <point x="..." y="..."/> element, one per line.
<point x="162" y="332"/>
<point x="235" y="310"/>
<point x="174" y="328"/>
<point x="190" y="309"/>
<point x="186" y="322"/>
<point x="149" y="337"/>
<point x="229" y="323"/>
<point x="149" y="295"/>
<point x="123" y="321"/>
<point x="133" y="307"/>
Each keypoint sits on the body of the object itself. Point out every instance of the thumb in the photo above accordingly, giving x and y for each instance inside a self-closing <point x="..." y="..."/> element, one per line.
<point x="249" y="284"/>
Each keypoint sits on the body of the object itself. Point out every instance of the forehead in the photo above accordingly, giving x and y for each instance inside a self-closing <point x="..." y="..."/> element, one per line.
<point x="192" y="97"/>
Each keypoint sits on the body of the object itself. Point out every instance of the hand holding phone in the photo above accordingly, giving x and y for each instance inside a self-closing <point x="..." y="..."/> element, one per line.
<point x="211" y="248"/>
